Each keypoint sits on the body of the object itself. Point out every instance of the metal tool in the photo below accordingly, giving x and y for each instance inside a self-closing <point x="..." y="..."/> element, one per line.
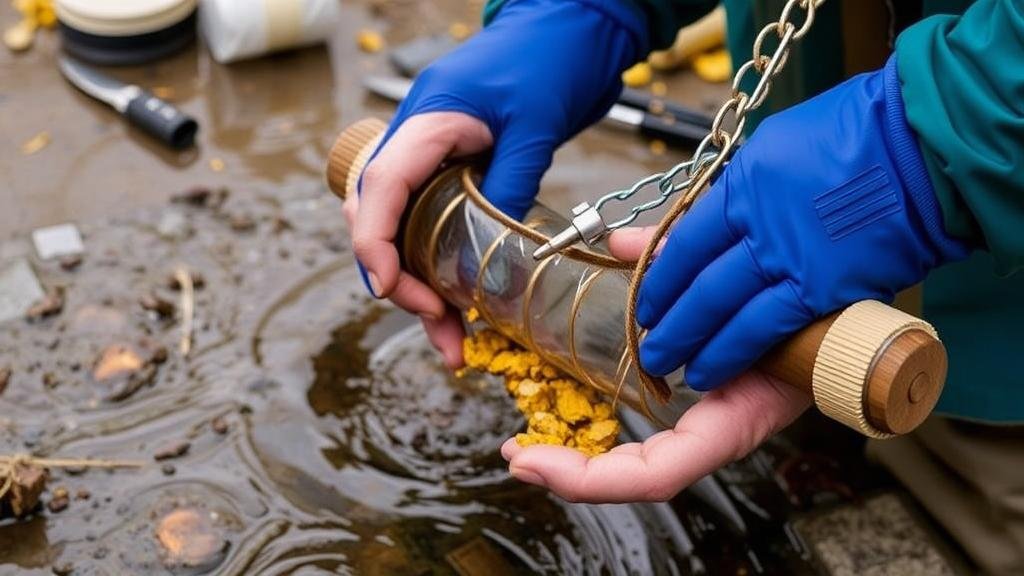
<point x="588" y="225"/>
<point x="670" y="129"/>
<point x="142" y="109"/>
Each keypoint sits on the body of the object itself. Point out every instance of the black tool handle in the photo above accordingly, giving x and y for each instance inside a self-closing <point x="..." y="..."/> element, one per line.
<point x="673" y="133"/>
<point x="647" y="101"/>
<point x="161" y="120"/>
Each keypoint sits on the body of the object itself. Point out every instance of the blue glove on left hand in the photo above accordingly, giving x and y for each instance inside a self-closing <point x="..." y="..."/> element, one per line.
<point x="829" y="203"/>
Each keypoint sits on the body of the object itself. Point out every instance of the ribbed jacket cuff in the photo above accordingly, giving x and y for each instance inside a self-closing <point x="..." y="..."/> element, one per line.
<point x="913" y="172"/>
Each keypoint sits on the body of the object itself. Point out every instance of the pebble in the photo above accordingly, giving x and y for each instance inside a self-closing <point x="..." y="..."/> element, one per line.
<point x="5" y="377"/>
<point x="168" y="469"/>
<point x="83" y="494"/>
<point x="157" y="305"/>
<point x="49" y="305"/>
<point x="220" y="425"/>
<point x="189" y="538"/>
<point x="173" y="450"/>
<point x="63" y="569"/>
<point x="58" y="504"/>
<point x="71" y="262"/>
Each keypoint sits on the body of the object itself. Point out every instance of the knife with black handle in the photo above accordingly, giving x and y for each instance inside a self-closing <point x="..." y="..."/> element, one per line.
<point x="141" y="108"/>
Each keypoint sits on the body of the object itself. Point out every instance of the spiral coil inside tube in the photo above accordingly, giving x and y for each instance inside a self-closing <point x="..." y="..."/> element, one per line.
<point x="567" y="308"/>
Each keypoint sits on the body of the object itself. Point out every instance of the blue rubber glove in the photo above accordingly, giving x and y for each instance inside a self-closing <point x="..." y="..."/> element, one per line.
<point x="537" y="74"/>
<point x="829" y="203"/>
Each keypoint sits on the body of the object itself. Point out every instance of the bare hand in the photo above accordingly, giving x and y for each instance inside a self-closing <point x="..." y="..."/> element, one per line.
<point x="408" y="158"/>
<point x="725" y="425"/>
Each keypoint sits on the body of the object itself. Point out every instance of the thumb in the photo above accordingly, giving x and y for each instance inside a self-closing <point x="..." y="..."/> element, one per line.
<point x="513" y="178"/>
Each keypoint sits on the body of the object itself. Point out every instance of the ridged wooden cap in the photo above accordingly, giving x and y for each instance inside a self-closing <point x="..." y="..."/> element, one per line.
<point x="351" y="152"/>
<point x="880" y="371"/>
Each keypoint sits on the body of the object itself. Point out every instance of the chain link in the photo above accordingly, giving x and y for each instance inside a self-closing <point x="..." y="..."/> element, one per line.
<point x="720" y="141"/>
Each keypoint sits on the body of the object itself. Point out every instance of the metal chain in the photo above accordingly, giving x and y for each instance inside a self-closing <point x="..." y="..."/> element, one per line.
<point x="589" y="225"/>
<point x="719" y="139"/>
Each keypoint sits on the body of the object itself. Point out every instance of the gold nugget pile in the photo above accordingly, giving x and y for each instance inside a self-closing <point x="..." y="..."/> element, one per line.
<point x="558" y="409"/>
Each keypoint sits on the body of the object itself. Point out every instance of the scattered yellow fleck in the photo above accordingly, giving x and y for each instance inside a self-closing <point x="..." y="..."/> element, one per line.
<point x="658" y="147"/>
<point x="659" y="89"/>
<point x="20" y="36"/>
<point x="164" y="92"/>
<point x="472" y="315"/>
<point x="35" y="143"/>
<point x="459" y="31"/>
<point x="369" y="41"/>
<point x="34" y="14"/>
<point x="216" y="164"/>
<point x="558" y="410"/>
<point x="715" y="66"/>
<point x="639" y="75"/>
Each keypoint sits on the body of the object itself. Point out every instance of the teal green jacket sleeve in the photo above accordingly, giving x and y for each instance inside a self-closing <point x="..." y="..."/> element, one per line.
<point x="664" y="17"/>
<point x="963" y="86"/>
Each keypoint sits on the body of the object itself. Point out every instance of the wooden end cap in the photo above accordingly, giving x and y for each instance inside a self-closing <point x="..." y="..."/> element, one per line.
<point x="905" y="382"/>
<point x="350" y="153"/>
<point x="878" y="370"/>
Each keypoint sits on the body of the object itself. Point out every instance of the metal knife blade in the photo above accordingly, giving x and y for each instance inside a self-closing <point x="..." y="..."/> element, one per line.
<point x="113" y="92"/>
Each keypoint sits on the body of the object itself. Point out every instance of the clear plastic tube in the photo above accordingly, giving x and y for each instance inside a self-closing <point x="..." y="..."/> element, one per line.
<point x="569" y="311"/>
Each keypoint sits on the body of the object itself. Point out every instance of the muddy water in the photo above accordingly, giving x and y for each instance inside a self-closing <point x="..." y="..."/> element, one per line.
<point x="323" y="435"/>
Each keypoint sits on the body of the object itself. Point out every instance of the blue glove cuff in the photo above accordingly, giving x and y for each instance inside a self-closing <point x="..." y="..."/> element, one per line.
<point x="908" y="159"/>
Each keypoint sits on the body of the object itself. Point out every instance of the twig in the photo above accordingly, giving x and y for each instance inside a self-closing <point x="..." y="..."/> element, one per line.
<point x="184" y="278"/>
<point x="9" y="463"/>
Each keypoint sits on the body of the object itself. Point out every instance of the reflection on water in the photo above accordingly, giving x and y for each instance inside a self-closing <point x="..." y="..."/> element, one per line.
<point x="323" y="433"/>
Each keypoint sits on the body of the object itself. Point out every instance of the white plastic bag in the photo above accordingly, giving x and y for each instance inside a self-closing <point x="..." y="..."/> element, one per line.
<point x="239" y="29"/>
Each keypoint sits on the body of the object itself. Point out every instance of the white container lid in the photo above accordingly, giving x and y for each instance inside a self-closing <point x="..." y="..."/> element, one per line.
<point x="122" y="17"/>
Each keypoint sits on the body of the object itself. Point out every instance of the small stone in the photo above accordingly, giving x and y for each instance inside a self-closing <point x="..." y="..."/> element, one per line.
<point x="5" y="378"/>
<point x="71" y="262"/>
<point x="60" y="492"/>
<point x="153" y="303"/>
<point x="173" y="450"/>
<point x="195" y="196"/>
<point x="56" y="241"/>
<point x="83" y="494"/>
<point x="50" y="304"/>
<point x="174" y="225"/>
<point x="50" y="380"/>
<point x="217" y="164"/>
<point x="117" y="360"/>
<point x="27" y="485"/>
<point x="168" y="469"/>
<point x="220" y="425"/>
<point x="190" y="538"/>
<point x="57" y="504"/>
<point x="63" y="569"/>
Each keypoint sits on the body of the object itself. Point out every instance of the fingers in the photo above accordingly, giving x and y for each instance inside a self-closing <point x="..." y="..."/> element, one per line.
<point x="724" y="426"/>
<point x="627" y="244"/>
<point x="412" y="154"/>
<point x="446" y="335"/>
<point x="766" y="320"/>
<point x="720" y="290"/>
<point x="697" y="239"/>
<point x="513" y="178"/>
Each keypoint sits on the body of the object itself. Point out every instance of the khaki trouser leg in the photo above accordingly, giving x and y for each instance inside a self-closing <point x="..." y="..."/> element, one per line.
<point x="970" y="478"/>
